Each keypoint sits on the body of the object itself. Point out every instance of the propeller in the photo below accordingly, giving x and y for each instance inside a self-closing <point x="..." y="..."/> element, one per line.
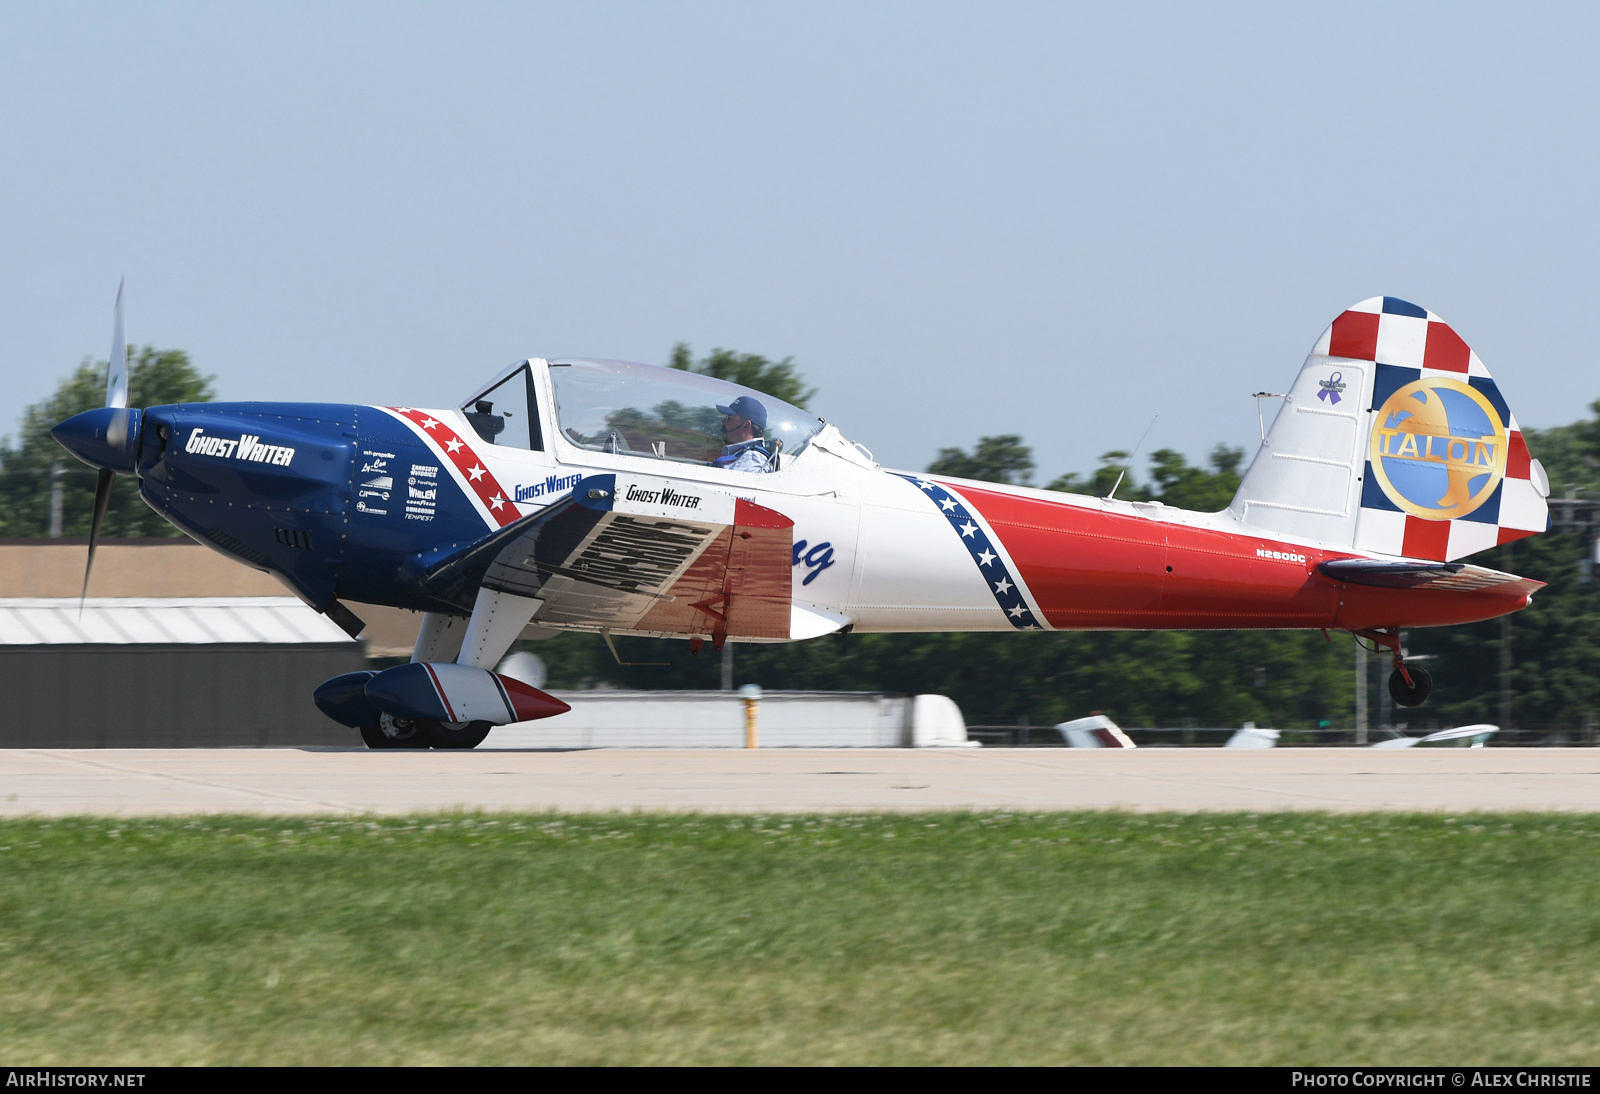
<point x="116" y="436"/>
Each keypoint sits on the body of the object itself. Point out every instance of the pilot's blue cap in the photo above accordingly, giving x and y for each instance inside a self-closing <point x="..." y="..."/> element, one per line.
<point x="746" y="407"/>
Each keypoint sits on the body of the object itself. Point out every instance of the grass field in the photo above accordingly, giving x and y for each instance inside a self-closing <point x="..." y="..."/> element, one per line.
<point x="937" y="938"/>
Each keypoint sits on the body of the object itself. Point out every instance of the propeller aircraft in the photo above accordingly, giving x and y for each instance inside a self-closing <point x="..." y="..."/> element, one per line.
<point x="604" y="496"/>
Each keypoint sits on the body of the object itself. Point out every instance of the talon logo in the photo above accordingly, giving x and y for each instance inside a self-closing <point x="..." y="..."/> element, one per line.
<point x="1438" y="448"/>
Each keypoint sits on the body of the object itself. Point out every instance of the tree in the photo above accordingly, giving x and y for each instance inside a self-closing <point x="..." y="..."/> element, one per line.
<point x="1176" y="483"/>
<point x="155" y="378"/>
<point x="994" y="459"/>
<point x="1570" y="453"/>
<point x="780" y="379"/>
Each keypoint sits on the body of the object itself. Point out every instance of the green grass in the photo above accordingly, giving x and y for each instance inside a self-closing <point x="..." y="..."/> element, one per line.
<point x="946" y="938"/>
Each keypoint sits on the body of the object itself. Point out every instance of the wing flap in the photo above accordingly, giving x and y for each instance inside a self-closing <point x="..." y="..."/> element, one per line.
<point x="634" y="554"/>
<point x="740" y="586"/>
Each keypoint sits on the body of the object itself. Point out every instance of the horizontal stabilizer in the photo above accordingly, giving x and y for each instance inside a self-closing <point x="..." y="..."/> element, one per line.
<point x="1444" y="576"/>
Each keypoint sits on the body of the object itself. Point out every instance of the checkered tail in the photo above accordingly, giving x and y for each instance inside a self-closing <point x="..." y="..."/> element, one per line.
<point x="1395" y="440"/>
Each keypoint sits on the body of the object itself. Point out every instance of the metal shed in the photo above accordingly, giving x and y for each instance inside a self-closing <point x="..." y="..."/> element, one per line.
<point x="168" y="672"/>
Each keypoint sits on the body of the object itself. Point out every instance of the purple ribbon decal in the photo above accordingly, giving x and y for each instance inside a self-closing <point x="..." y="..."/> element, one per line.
<point x="1330" y="389"/>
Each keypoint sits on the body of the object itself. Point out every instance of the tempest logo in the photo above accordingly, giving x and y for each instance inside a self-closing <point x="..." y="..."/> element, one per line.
<point x="665" y="496"/>
<point x="1280" y="556"/>
<point x="247" y="447"/>
<point x="552" y="485"/>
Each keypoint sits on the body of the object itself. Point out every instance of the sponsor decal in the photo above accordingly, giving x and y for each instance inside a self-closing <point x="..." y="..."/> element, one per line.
<point x="816" y="559"/>
<point x="363" y="507"/>
<point x="1438" y="448"/>
<point x="664" y="496"/>
<point x="477" y="478"/>
<point x="375" y="462"/>
<point x="246" y="447"/>
<point x="1280" y="556"/>
<point x="422" y="492"/>
<point x="378" y="487"/>
<point x="1331" y="387"/>
<point x="552" y="485"/>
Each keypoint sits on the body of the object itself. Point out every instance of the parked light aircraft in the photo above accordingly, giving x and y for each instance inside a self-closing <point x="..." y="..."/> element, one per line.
<point x="596" y="495"/>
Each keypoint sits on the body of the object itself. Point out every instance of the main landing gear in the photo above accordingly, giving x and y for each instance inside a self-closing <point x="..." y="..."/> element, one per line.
<point x="1409" y="685"/>
<point x="393" y="732"/>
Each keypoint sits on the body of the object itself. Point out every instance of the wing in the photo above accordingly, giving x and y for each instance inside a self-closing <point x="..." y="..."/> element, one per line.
<point x="626" y="552"/>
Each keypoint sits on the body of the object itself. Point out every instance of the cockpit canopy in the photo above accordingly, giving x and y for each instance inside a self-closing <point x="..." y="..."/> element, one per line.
<point x="642" y="410"/>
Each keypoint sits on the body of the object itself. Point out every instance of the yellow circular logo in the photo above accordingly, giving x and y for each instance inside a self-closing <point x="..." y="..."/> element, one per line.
<point x="1438" y="448"/>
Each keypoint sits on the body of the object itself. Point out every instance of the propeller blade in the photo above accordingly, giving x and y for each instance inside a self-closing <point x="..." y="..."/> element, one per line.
<point x="102" y="499"/>
<point x="117" y="377"/>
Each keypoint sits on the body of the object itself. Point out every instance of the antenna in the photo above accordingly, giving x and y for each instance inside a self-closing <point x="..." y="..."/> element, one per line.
<point x="1111" y="496"/>
<point x="1260" y="421"/>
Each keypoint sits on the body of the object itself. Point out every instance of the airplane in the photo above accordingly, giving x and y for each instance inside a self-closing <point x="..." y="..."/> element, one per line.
<point x="605" y="496"/>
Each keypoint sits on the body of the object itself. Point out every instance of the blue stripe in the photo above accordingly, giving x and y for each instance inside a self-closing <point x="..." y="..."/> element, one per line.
<point x="1001" y="584"/>
<point x="511" y="708"/>
<point x="1393" y="305"/>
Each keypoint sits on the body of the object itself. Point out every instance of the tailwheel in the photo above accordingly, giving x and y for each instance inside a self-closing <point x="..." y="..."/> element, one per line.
<point x="453" y="734"/>
<point x="392" y="732"/>
<point x="1409" y="686"/>
<point x="1413" y="692"/>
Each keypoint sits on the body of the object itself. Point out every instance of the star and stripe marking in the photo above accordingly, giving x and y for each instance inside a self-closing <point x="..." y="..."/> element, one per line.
<point x="478" y="478"/>
<point x="1007" y="594"/>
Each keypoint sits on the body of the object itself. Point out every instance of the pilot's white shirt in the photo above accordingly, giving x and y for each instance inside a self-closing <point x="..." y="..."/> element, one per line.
<point x="750" y="457"/>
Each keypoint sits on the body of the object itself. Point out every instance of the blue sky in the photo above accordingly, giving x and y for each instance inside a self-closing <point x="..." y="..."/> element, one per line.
<point x="1048" y="219"/>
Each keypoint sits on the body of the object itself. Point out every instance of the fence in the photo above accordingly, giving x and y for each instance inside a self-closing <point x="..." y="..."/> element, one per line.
<point x="1023" y="735"/>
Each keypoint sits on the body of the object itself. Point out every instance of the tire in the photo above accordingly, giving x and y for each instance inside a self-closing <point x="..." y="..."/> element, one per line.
<point x="454" y="734"/>
<point x="392" y="732"/>
<point x="1415" y="695"/>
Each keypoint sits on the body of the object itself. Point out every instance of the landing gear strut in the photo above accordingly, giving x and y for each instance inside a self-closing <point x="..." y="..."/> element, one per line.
<point x="1409" y="686"/>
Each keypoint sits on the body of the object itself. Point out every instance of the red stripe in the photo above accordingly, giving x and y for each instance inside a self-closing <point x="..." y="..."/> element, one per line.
<point x="474" y="470"/>
<point x="438" y="689"/>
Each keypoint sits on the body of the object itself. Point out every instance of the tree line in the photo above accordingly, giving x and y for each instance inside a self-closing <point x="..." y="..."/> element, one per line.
<point x="1287" y="679"/>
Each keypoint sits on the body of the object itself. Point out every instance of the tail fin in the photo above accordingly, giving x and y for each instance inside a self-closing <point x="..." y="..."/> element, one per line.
<point x="1394" y="440"/>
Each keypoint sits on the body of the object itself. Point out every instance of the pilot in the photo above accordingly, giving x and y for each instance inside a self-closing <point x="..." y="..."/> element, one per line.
<point x="743" y="422"/>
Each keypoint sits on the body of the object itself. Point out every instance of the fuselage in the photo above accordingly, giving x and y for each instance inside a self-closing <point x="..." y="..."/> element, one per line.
<point x="346" y="501"/>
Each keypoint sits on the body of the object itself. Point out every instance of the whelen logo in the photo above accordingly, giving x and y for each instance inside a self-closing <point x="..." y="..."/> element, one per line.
<point x="247" y="447"/>
<point x="1280" y="556"/>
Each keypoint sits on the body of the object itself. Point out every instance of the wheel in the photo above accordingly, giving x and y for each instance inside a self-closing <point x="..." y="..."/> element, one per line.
<point x="454" y="734"/>
<point x="392" y="732"/>
<point x="1414" y="695"/>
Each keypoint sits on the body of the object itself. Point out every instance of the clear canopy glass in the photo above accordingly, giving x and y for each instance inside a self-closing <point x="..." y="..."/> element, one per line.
<point x="665" y="413"/>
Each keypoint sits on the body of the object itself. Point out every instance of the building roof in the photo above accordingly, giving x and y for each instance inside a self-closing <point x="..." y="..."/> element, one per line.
<point x="167" y="621"/>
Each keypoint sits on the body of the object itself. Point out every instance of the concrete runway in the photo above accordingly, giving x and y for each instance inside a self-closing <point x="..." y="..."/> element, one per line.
<point x="133" y="782"/>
